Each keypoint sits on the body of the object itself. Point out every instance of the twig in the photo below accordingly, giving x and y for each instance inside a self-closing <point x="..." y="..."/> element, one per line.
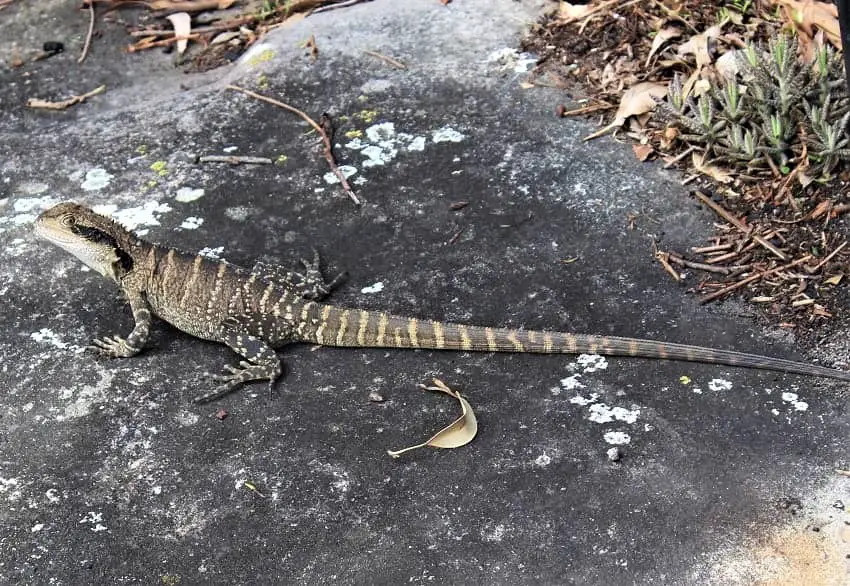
<point x="750" y="279"/>
<point x="337" y="5"/>
<point x="390" y="60"/>
<point x="141" y="45"/>
<point x="698" y="265"/>
<point x="828" y="258"/>
<point x="328" y="147"/>
<point x="457" y="234"/>
<point x="235" y="160"/>
<point x="718" y="209"/>
<point x="662" y="257"/>
<point x="45" y="105"/>
<point x="586" y="109"/>
<point x="88" y="35"/>
<point x="669" y="163"/>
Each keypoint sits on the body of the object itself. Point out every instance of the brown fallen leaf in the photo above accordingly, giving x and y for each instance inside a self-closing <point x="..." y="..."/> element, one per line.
<point x="46" y="105"/>
<point x="182" y="23"/>
<point x="809" y="16"/>
<point x="716" y="173"/>
<point x="661" y="37"/>
<point x="642" y="151"/>
<point x="638" y="99"/>
<point x="459" y="433"/>
<point x="567" y="11"/>
<point x="834" y="280"/>
<point x="698" y="45"/>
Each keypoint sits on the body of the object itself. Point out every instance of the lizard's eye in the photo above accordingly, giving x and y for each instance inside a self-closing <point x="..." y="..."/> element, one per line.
<point x="68" y="220"/>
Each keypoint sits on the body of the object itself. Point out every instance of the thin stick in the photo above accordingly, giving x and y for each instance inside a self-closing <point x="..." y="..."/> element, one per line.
<point x="45" y="105"/>
<point x="337" y="5"/>
<point x="750" y="279"/>
<point x="390" y="60"/>
<point x="678" y="158"/>
<point x="828" y="257"/>
<point x="89" y="35"/>
<point x="327" y="142"/>
<point x="141" y="46"/>
<point x="718" y="209"/>
<point x="585" y="109"/>
<point x="235" y="160"/>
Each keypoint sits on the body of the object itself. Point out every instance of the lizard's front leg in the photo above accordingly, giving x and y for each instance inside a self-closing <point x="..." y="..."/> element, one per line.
<point x="119" y="347"/>
<point x="310" y="284"/>
<point x="262" y="363"/>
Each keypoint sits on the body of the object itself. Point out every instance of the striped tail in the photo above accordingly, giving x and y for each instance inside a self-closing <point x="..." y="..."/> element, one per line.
<point x="337" y="326"/>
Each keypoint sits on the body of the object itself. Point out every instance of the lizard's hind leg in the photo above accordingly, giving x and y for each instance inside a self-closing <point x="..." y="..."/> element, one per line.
<point x="310" y="284"/>
<point x="262" y="362"/>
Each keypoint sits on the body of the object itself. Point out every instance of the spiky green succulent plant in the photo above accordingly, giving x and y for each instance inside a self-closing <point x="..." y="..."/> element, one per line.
<point x="774" y="106"/>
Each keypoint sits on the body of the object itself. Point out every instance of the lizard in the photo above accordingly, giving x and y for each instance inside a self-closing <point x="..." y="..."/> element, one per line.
<point x="257" y="311"/>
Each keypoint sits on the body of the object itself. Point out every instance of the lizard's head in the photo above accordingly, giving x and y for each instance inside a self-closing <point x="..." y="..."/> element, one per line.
<point x="99" y="242"/>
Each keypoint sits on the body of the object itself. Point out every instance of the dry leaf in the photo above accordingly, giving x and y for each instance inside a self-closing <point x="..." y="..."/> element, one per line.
<point x="182" y="23"/>
<point x="642" y="151"/>
<point x="459" y="433"/>
<point x="664" y="35"/>
<point x="698" y="45"/>
<point x="728" y="64"/>
<point x="637" y="100"/>
<point x="712" y="171"/>
<point x="835" y="280"/>
<point x="808" y="15"/>
<point x="568" y="11"/>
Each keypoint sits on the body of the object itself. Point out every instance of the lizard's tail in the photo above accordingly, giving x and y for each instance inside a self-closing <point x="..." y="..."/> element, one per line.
<point x="337" y="326"/>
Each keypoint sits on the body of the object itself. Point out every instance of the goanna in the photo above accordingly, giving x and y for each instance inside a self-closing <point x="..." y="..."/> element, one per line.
<point x="256" y="311"/>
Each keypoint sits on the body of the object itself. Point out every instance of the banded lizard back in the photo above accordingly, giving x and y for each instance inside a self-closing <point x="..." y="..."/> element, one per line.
<point x="255" y="311"/>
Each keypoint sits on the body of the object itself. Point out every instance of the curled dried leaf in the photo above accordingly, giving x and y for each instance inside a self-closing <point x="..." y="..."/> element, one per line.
<point x="182" y="23"/>
<point x="638" y="99"/>
<point x="661" y="37"/>
<point x="713" y="171"/>
<point x="459" y="433"/>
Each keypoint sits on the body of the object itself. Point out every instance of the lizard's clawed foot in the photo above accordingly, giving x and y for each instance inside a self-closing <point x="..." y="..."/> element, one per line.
<point x="115" y="346"/>
<point x="236" y="376"/>
<point x="312" y="284"/>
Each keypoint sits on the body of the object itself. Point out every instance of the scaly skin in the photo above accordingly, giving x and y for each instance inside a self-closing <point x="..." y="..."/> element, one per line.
<point x="256" y="311"/>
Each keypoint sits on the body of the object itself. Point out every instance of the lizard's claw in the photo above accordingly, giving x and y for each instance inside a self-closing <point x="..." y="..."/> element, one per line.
<point x="312" y="284"/>
<point x="115" y="346"/>
<point x="237" y="375"/>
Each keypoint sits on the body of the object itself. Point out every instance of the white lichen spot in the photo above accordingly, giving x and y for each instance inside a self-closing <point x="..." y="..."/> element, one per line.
<point x="33" y="204"/>
<point x="37" y="527"/>
<point x="591" y="362"/>
<point x="191" y="223"/>
<point x="360" y="180"/>
<point x="33" y="187"/>
<point x="697" y="390"/>
<point x="133" y="218"/>
<point x="572" y="383"/>
<point x="584" y="401"/>
<point x="447" y="134"/>
<point x="187" y="194"/>
<point x="794" y="400"/>
<point x="494" y="535"/>
<point x="543" y="460"/>
<point x="417" y="144"/>
<point x="27" y="407"/>
<point x="617" y="438"/>
<point x="375" y="288"/>
<point x="96" y="179"/>
<point x="602" y="413"/>
<point x="214" y="253"/>
<point x="49" y="337"/>
<point x="377" y="155"/>
<point x="346" y="170"/>
<point x="719" y="384"/>
<point x="512" y="60"/>
<point x="384" y="131"/>
<point x="187" y="418"/>
<point x="51" y="495"/>
<point x="230" y="149"/>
